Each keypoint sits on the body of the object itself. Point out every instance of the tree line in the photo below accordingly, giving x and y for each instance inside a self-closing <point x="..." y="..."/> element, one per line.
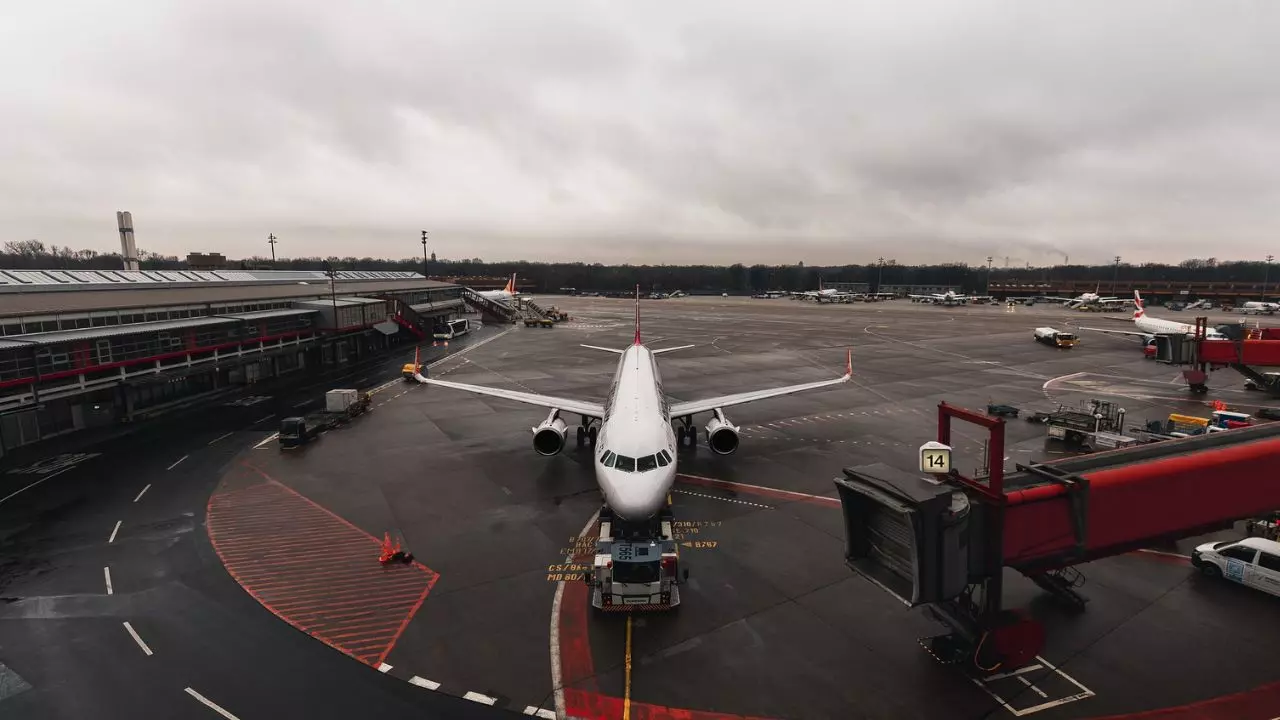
<point x="737" y="278"/>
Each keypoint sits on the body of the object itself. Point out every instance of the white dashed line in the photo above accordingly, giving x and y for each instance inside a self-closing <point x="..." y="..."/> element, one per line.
<point x="114" y="530"/>
<point x="266" y="440"/>
<point x="303" y="404"/>
<point x="211" y="704"/>
<point x="177" y="462"/>
<point x="137" y="639"/>
<point x="477" y="697"/>
<point x="383" y="668"/>
<point x="540" y="712"/>
<point x="220" y="438"/>
<point x="142" y="492"/>
<point x="255" y="422"/>
<point x="722" y="499"/>
<point x="424" y="683"/>
<point x="106" y="573"/>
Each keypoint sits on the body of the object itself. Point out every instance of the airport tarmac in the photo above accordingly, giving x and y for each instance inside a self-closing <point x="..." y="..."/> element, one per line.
<point x="239" y="551"/>
<point x="773" y="624"/>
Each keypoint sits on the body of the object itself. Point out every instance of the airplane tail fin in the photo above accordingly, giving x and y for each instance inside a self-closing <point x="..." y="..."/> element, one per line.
<point x="511" y="285"/>
<point x="1139" y="310"/>
<point x="637" y="340"/>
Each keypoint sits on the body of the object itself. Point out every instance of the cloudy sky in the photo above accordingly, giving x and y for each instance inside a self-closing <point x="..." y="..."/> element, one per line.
<point x="823" y="132"/>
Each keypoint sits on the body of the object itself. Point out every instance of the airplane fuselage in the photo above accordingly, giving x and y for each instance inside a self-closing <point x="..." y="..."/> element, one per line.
<point x="635" y="454"/>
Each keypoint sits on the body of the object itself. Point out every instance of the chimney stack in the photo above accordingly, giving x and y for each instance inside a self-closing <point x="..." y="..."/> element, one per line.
<point x="128" y="250"/>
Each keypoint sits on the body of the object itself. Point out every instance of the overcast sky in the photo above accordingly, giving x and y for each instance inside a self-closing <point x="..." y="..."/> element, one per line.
<point x="823" y="132"/>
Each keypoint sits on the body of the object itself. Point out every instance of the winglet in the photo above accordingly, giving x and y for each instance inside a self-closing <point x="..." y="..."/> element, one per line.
<point x="848" y="366"/>
<point x="637" y="341"/>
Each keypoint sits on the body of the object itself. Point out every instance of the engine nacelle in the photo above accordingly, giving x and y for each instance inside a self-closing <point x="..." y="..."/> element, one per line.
<point x="722" y="437"/>
<point x="548" y="438"/>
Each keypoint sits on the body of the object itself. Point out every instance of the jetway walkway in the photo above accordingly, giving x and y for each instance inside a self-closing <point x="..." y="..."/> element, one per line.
<point x="490" y="309"/>
<point x="944" y="542"/>
<point x="1260" y="348"/>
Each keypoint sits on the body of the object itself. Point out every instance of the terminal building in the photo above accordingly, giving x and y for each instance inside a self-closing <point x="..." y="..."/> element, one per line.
<point x="86" y="348"/>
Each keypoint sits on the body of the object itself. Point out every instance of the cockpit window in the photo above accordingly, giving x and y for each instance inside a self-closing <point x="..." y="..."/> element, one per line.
<point x="607" y="458"/>
<point x="647" y="463"/>
<point x="662" y="459"/>
<point x="666" y="455"/>
<point x="625" y="463"/>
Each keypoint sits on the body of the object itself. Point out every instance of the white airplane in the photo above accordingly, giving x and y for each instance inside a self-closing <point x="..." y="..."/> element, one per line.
<point x="1088" y="299"/>
<point x="947" y="298"/>
<point x="1149" y="327"/>
<point x="635" y="446"/>
<point x="506" y="294"/>
<point x="1258" y="308"/>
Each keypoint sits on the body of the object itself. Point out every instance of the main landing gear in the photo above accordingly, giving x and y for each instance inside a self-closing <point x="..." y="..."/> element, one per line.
<point x="587" y="433"/>
<point x="686" y="434"/>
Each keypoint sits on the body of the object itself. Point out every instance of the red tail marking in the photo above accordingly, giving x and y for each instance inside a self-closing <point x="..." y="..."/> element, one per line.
<point x="511" y="284"/>
<point x="637" y="341"/>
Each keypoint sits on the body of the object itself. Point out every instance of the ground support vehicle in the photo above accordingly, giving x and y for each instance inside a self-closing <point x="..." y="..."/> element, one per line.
<point x="636" y="565"/>
<point x="1002" y="410"/>
<point x="341" y="406"/>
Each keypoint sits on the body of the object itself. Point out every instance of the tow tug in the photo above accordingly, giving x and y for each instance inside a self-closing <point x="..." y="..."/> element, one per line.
<point x="411" y="370"/>
<point x="636" y="565"/>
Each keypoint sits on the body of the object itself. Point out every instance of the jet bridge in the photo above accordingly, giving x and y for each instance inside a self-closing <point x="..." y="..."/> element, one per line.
<point x="944" y="542"/>
<point x="1255" y="348"/>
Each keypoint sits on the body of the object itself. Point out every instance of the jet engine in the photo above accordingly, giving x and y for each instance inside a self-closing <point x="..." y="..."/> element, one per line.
<point x="548" y="438"/>
<point x="722" y="437"/>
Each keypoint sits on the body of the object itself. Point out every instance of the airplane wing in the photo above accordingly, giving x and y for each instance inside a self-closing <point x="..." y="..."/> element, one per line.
<point x="581" y="407"/>
<point x="693" y="407"/>
<point x="1109" y="331"/>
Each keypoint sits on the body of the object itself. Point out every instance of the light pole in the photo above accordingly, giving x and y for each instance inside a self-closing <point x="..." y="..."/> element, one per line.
<point x="271" y="240"/>
<point x="987" y="290"/>
<point x="1266" y="277"/>
<point x="424" y="254"/>
<point x="1115" y="276"/>
<point x="880" y="275"/>
<point x="332" y="274"/>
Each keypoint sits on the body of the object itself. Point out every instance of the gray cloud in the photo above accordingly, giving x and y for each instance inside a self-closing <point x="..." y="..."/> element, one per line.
<point x="754" y="132"/>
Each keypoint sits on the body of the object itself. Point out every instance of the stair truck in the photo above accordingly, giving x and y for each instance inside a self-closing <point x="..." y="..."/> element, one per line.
<point x="636" y="564"/>
<point x="340" y="406"/>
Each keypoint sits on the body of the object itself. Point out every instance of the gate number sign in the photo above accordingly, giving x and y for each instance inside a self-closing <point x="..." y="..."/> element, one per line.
<point x="935" y="458"/>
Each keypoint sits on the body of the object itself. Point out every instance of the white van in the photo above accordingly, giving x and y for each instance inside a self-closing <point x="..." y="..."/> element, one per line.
<point x="1253" y="561"/>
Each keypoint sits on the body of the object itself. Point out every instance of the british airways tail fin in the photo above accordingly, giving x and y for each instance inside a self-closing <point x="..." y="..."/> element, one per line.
<point x="1138" y="310"/>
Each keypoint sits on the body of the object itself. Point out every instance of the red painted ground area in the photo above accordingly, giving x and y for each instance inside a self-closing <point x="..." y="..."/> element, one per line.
<point x="315" y="570"/>
<point x="1262" y="703"/>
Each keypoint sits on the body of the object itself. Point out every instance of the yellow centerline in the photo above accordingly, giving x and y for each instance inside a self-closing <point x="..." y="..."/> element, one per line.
<point x="626" y="689"/>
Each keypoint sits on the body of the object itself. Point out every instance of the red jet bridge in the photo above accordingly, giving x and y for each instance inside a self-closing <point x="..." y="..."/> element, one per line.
<point x="944" y="542"/>
<point x="1259" y="348"/>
